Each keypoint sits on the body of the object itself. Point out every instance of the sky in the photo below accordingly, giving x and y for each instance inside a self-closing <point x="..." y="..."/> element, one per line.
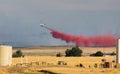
<point x="20" y="19"/>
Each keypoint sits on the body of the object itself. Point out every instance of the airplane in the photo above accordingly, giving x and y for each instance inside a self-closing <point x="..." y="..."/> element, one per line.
<point x="100" y="40"/>
<point x="42" y="25"/>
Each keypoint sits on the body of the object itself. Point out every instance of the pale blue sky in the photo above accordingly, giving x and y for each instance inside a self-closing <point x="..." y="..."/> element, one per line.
<point x="20" y="19"/>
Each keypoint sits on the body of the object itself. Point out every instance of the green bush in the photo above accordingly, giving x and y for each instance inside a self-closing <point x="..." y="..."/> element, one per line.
<point x="113" y="53"/>
<point x="75" y="51"/>
<point x="18" y="53"/>
<point x="98" y="53"/>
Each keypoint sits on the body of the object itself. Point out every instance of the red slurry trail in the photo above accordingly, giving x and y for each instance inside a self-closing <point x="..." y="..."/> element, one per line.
<point x="99" y="40"/>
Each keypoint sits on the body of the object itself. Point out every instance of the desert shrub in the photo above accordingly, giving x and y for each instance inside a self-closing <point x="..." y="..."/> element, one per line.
<point x="81" y="65"/>
<point x="113" y="53"/>
<point x="18" y="53"/>
<point x="113" y="61"/>
<point x="98" y="53"/>
<point x="95" y="65"/>
<point x="59" y="54"/>
<point x="103" y="60"/>
<point x="75" y="51"/>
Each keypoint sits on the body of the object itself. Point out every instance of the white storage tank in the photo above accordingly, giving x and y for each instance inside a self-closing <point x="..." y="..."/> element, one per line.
<point x="5" y="55"/>
<point x="118" y="52"/>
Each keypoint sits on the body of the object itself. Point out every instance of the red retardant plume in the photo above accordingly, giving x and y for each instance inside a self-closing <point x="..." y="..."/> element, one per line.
<point x="101" y="40"/>
<point x="97" y="41"/>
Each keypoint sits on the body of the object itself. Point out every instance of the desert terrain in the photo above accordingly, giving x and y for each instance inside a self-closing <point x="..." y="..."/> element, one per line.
<point x="43" y="60"/>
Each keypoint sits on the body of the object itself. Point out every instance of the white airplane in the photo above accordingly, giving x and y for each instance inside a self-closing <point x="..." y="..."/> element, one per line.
<point x="47" y="27"/>
<point x="42" y="25"/>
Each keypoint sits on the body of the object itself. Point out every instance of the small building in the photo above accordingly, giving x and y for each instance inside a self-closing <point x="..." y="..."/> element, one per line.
<point x="107" y="65"/>
<point x="5" y="55"/>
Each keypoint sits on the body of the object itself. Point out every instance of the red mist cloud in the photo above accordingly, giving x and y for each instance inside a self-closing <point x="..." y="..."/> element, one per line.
<point x="100" y="40"/>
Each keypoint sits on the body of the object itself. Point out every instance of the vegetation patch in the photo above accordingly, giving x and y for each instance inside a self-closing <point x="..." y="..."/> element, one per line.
<point x="75" y="51"/>
<point x="98" y="54"/>
<point x="18" y="53"/>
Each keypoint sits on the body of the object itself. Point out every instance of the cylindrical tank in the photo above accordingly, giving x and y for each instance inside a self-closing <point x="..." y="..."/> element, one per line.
<point x="5" y="55"/>
<point x="118" y="52"/>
